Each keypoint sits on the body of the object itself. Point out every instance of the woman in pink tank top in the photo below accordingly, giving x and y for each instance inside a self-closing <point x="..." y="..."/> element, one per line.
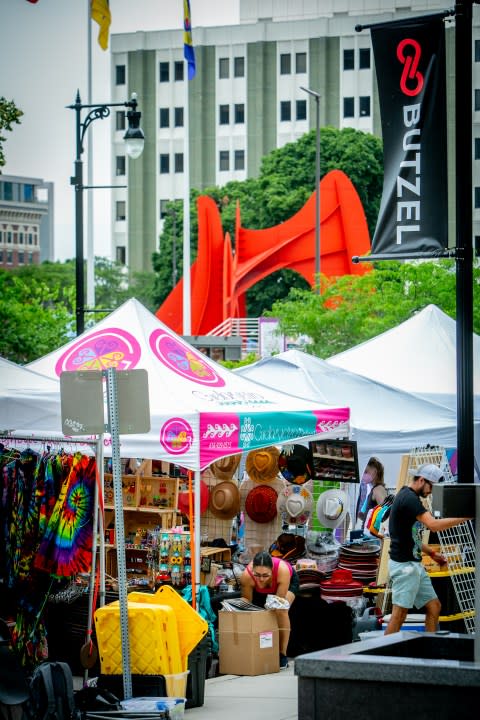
<point x="271" y="576"/>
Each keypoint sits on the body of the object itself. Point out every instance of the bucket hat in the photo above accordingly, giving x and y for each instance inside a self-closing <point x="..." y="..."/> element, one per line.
<point x="296" y="464"/>
<point x="432" y="473"/>
<point x="296" y="501"/>
<point x="224" y="469"/>
<point x="332" y="508"/>
<point x="182" y="501"/>
<point x="261" y="504"/>
<point x="262" y="464"/>
<point x="224" y="501"/>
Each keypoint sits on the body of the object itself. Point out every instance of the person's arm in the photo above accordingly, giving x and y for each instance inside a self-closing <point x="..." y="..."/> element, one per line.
<point x="379" y="494"/>
<point x="439" y="524"/>
<point x="246" y="585"/>
<point x="438" y="557"/>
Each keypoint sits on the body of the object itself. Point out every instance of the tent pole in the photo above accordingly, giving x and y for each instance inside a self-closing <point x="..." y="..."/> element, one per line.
<point x="101" y="520"/>
<point x="196" y="514"/>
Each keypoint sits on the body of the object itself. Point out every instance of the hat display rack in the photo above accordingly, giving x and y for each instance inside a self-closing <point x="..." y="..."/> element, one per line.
<point x="217" y="520"/>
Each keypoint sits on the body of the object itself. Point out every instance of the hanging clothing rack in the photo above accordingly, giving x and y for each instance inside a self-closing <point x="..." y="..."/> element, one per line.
<point x="46" y="439"/>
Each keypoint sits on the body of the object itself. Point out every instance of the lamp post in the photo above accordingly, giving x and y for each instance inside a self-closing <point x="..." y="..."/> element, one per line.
<point x="316" y="97"/>
<point x="134" y="141"/>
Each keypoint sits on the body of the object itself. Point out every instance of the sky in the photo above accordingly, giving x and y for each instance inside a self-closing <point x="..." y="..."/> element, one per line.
<point x="43" y="61"/>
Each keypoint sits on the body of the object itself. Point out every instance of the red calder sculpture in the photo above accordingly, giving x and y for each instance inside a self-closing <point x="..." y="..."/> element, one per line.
<point x="220" y="279"/>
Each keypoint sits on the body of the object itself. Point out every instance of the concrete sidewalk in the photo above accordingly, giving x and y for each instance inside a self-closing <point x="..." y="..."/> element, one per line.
<point x="262" y="697"/>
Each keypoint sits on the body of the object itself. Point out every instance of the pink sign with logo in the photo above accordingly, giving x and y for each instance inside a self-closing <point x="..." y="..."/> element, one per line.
<point x="101" y="350"/>
<point x="183" y="359"/>
<point x="176" y="436"/>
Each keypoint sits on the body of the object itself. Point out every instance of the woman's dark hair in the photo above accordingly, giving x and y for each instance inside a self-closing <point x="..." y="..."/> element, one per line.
<point x="375" y="463"/>
<point x="262" y="559"/>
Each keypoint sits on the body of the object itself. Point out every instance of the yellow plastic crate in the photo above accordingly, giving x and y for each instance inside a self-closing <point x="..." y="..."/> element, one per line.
<point x="153" y="636"/>
<point x="191" y="626"/>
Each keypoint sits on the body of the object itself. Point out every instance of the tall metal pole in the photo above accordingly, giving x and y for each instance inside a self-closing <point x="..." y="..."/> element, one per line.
<point x="317" y="204"/>
<point x="316" y="96"/>
<point x="464" y="260"/>
<point x="77" y="181"/>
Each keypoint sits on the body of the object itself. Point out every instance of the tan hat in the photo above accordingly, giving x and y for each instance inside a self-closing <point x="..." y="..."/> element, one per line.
<point x="224" y="500"/>
<point x="262" y="464"/>
<point x="224" y="468"/>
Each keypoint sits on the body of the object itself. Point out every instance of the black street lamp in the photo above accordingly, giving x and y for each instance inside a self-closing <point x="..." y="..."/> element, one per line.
<point x="316" y="96"/>
<point x="134" y="141"/>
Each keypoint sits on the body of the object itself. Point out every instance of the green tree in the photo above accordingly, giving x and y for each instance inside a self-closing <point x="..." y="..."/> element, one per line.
<point x="285" y="182"/>
<point x="33" y="318"/>
<point x="353" y="309"/>
<point x="9" y="114"/>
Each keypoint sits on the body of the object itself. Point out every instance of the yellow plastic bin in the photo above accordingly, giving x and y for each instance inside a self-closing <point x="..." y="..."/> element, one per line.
<point x="153" y="635"/>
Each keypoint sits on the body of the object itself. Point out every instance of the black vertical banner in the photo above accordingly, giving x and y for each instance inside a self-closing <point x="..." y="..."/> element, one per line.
<point x="410" y="66"/>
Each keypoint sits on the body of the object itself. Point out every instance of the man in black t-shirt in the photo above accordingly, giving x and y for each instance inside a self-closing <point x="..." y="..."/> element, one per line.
<point x="411" y="586"/>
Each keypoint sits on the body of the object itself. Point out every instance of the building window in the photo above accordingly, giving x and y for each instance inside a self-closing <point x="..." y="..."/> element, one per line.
<point x="8" y="191"/>
<point x="348" y="107"/>
<point x="30" y="239"/>
<point x="164" y="117"/>
<point x="285" y="64"/>
<point x="301" y="63"/>
<point x="239" y="159"/>
<point x="163" y="208"/>
<point x="348" y="60"/>
<point x="301" y="107"/>
<point x="477" y="198"/>
<point x="223" y="68"/>
<point x="179" y="117"/>
<point x="164" y="163"/>
<point x="477" y="102"/>
<point x="20" y="238"/>
<point x="224" y="160"/>
<point x="9" y="257"/>
<point x="239" y="113"/>
<point x="120" y="120"/>
<point x="477" y="50"/>
<point x="364" y="106"/>
<point x="120" y="74"/>
<point x="121" y="254"/>
<point x="178" y="70"/>
<point x="120" y="212"/>
<point x="285" y="111"/>
<point x="21" y="257"/>
<point x="364" y="58"/>
<point x="179" y="162"/>
<point x="477" y="148"/>
<point x="30" y="258"/>
<point x="1" y="256"/>
<point x="239" y="66"/>
<point x="120" y="165"/>
<point x="224" y="115"/>
<point x="164" y="72"/>
<point x="28" y="193"/>
<point x="9" y="237"/>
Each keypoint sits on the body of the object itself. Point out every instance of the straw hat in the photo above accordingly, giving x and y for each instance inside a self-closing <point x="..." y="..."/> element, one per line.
<point x="332" y="508"/>
<point x="296" y="463"/>
<point x="224" y="501"/>
<point x="182" y="501"/>
<point x="261" y="504"/>
<point x="224" y="468"/>
<point x="262" y="464"/>
<point x="296" y="501"/>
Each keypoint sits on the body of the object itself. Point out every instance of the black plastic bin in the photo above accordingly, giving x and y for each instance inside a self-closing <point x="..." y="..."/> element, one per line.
<point x="154" y="685"/>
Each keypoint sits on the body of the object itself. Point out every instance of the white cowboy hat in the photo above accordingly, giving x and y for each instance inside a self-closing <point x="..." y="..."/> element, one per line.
<point x="332" y="508"/>
<point x="296" y="501"/>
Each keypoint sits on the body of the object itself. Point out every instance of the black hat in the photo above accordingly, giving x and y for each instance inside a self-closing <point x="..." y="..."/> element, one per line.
<point x="296" y="463"/>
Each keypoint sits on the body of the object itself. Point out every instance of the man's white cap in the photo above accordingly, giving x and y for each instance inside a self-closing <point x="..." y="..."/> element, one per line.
<point x="430" y="472"/>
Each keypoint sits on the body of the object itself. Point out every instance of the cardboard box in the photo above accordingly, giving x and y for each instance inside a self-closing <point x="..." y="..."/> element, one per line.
<point x="248" y="642"/>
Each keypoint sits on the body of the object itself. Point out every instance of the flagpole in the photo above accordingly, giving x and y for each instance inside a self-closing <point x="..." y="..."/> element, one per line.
<point x="90" y="243"/>
<point x="186" y="213"/>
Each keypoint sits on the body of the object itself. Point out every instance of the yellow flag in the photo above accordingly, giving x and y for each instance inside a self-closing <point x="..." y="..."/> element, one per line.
<point x="100" y="12"/>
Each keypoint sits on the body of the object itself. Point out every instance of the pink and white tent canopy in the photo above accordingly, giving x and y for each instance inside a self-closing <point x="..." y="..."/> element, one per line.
<point x="200" y="411"/>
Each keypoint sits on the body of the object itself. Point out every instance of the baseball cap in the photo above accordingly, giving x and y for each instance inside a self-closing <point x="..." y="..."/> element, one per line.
<point x="430" y="472"/>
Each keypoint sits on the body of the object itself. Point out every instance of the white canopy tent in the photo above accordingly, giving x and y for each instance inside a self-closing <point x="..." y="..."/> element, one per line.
<point x="418" y="356"/>
<point x="385" y="422"/>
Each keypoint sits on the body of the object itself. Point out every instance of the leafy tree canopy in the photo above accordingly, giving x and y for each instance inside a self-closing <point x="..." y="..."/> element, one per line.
<point x="352" y="309"/>
<point x="9" y="114"/>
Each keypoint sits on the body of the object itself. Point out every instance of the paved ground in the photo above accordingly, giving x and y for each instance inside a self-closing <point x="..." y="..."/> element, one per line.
<point x="263" y="697"/>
